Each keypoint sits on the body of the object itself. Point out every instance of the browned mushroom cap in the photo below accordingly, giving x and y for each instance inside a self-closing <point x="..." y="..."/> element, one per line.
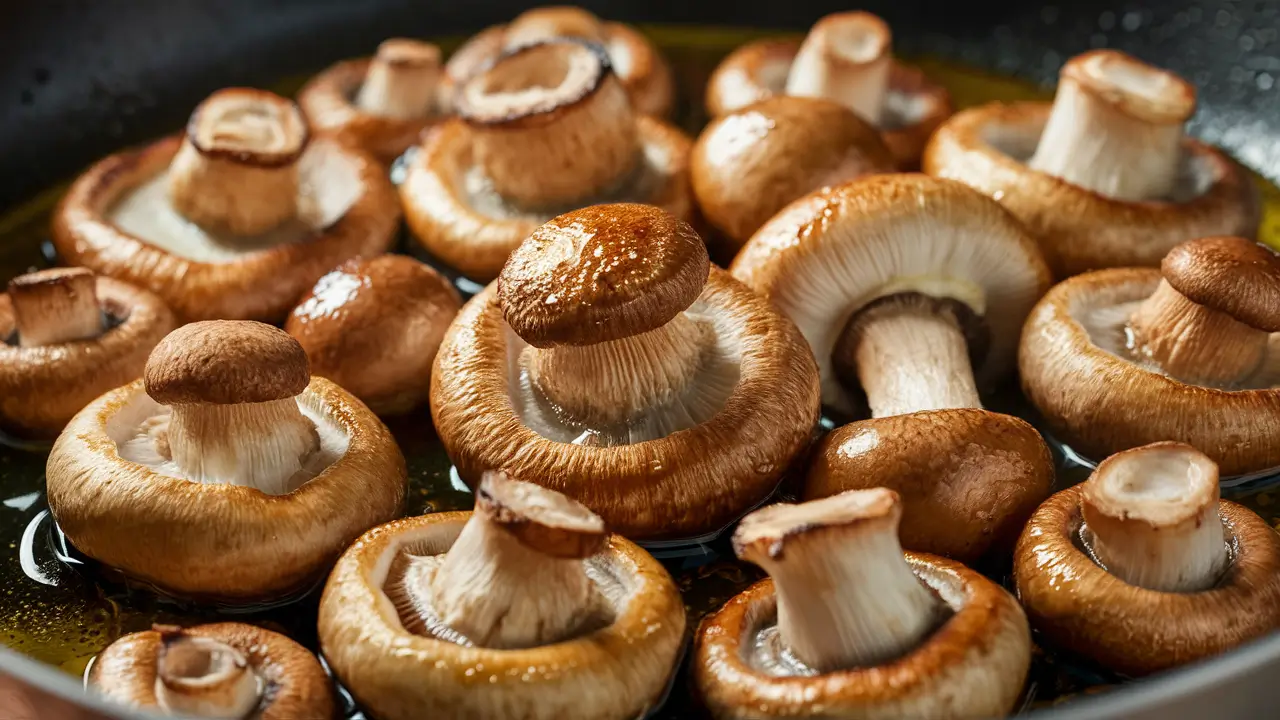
<point x="748" y="164"/>
<point x="221" y="670"/>
<point x="66" y="337"/>
<point x="1231" y="275"/>
<point x="373" y="327"/>
<point x="226" y="362"/>
<point x="848" y="626"/>
<point x="1143" y="514"/>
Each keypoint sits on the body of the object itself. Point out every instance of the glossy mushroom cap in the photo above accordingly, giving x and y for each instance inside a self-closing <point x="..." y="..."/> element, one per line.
<point x="373" y="327"/>
<point x="223" y="670"/>
<point x="401" y="81"/>
<point x="1141" y="568"/>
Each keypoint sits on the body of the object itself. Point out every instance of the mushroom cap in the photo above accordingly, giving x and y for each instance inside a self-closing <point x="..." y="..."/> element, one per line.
<point x="539" y="518"/>
<point x="972" y="666"/>
<point x="1231" y="275"/>
<point x="604" y="272"/>
<point x="619" y="670"/>
<point x="968" y="478"/>
<point x="374" y="326"/>
<point x="1083" y="608"/>
<point x="226" y="362"/>
<point x="295" y="685"/>
<point x="686" y="483"/>
<point x="353" y="213"/>
<point x="748" y="164"/>
<point x="41" y="388"/>
<point x="1100" y="403"/>
<point x="216" y="541"/>
<point x="988" y="148"/>
<point x="828" y="254"/>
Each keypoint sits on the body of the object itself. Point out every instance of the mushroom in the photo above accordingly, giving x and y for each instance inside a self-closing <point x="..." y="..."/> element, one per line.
<point x="847" y="625"/>
<point x="1142" y="568"/>
<point x="1104" y="175"/>
<point x="911" y="290"/>
<point x="373" y="327"/>
<point x="234" y="220"/>
<point x="545" y="129"/>
<point x="221" y="670"/>
<point x="643" y="72"/>
<point x="526" y="606"/>
<point x="846" y="58"/>
<point x="750" y="163"/>
<point x="66" y="337"/>
<point x="1119" y="358"/>
<point x="380" y="103"/>
<point x="237" y="476"/>
<point x="608" y="364"/>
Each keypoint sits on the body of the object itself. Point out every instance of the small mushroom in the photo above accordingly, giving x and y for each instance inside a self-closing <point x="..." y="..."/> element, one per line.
<point x="380" y="103"/>
<point x="545" y="129"/>
<point x="66" y="337"/>
<point x="235" y="219"/>
<point x="607" y="364"/>
<point x="750" y="163"/>
<point x="222" y="670"/>
<point x="374" y="326"/>
<point x="1104" y="175"/>
<point x="526" y="603"/>
<point x="847" y="625"/>
<point x="237" y="475"/>
<point x="845" y="58"/>
<point x="1119" y="358"/>
<point x="1142" y="568"/>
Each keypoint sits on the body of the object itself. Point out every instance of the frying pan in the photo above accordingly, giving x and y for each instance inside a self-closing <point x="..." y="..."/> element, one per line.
<point x="82" y="78"/>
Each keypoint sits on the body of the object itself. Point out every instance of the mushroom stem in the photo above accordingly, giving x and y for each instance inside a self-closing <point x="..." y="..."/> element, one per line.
<point x="1152" y="518"/>
<point x="55" y="306"/>
<point x="237" y="171"/>
<point x="202" y="677"/>
<point x="1116" y="127"/>
<point x="552" y="124"/>
<point x="545" y="23"/>
<point x="1194" y="343"/>
<point x="846" y="595"/>
<point x="845" y="58"/>
<point x="260" y="445"/>
<point x="402" y="79"/>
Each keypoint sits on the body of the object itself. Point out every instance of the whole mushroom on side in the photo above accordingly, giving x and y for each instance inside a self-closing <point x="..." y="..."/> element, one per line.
<point x="1104" y="176"/>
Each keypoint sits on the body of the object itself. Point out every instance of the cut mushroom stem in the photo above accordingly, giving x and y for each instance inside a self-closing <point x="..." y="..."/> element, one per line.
<point x="55" y="306"/>
<point x="1152" y="518"/>
<point x="846" y="595"/>
<point x="846" y="58"/>
<point x="401" y="81"/>
<point x="545" y="23"/>
<point x="1116" y="127"/>
<point x="237" y="170"/>
<point x="1194" y="343"/>
<point x="202" y="677"/>
<point x="553" y="126"/>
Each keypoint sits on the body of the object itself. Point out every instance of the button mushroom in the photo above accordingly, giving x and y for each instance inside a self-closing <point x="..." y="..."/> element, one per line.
<point x="545" y="129"/>
<point x="374" y="326"/>
<point x="234" y="220"/>
<point x="66" y="337"/>
<point x="226" y="473"/>
<point x="1188" y="353"/>
<point x="911" y="290"/>
<point x="223" y="670"/>
<point x="849" y="626"/>
<point x="1142" y="568"/>
<point x="380" y="103"/>
<point x="748" y="164"/>
<point x="607" y="364"/>
<point x="1104" y="176"/>
<point x="845" y="58"/>
<point x="525" y="606"/>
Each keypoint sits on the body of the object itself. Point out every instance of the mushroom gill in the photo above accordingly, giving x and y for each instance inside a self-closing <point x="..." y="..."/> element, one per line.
<point x="845" y="57"/>
<point x="55" y="306"/>
<point x="401" y="81"/>
<point x="204" y="677"/>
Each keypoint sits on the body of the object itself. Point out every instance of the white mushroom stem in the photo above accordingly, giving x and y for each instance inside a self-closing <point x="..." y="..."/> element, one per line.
<point x="545" y="23"/>
<point x="55" y="306"/>
<point x="237" y="171"/>
<point x="401" y="81"/>
<point x="1116" y="127"/>
<point x="845" y="58"/>
<point x="1152" y="513"/>
<point x="1194" y="343"/>
<point x="846" y="595"/>
<point x="202" y="677"/>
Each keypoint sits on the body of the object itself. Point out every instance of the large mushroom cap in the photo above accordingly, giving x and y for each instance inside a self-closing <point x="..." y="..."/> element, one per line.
<point x="226" y="362"/>
<point x="1231" y="275"/>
